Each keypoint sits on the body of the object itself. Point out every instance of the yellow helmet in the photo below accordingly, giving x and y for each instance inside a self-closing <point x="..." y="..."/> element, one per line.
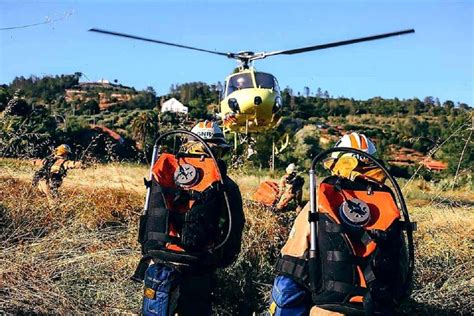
<point x="62" y="150"/>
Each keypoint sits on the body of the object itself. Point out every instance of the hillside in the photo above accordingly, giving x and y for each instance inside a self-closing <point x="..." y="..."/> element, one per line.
<point x="112" y="122"/>
<point x="76" y="256"/>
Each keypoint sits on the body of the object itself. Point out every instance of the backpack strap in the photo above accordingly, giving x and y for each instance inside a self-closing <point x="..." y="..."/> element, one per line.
<point x="366" y="236"/>
<point x="194" y="195"/>
<point x="295" y="268"/>
<point x="378" y="299"/>
<point x="154" y="224"/>
<point x="139" y="274"/>
<point x="345" y="288"/>
<point x="337" y="261"/>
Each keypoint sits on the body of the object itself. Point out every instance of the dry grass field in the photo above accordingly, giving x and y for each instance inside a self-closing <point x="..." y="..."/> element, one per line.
<point x="76" y="256"/>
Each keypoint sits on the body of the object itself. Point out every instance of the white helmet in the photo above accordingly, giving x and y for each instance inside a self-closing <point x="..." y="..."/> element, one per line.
<point x="291" y="168"/>
<point x="211" y="133"/>
<point x="356" y="141"/>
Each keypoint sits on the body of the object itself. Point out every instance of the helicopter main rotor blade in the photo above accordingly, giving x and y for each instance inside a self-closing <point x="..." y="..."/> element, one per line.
<point x="334" y="44"/>
<point x="229" y="55"/>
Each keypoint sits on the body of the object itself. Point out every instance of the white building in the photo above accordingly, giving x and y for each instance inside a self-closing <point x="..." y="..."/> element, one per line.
<point x="173" y="105"/>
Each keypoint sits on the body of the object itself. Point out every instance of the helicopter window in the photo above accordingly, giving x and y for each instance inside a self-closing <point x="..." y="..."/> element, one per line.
<point x="237" y="82"/>
<point x="276" y="87"/>
<point x="222" y="91"/>
<point x="265" y="81"/>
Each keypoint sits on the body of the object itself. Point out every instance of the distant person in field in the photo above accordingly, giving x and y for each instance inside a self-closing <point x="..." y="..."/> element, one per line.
<point x="50" y="177"/>
<point x="291" y="189"/>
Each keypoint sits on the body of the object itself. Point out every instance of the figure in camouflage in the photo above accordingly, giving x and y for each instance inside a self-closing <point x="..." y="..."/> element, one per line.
<point x="50" y="177"/>
<point x="291" y="189"/>
<point x="17" y="105"/>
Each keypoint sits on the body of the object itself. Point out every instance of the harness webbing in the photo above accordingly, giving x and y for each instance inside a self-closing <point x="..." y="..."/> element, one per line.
<point x="295" y="268"/>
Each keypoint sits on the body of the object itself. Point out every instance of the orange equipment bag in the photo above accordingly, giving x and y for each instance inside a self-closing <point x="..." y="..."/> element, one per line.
<point x="267" y="193"/>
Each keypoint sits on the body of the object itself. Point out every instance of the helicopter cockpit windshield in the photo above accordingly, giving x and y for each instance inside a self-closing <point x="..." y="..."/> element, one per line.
<point x="266" y="81"/>
<point x="245" y="81"/>
<point x="238" y="82"/>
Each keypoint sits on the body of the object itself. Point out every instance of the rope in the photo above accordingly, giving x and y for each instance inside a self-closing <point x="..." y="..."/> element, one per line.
<point x="462" y="155"/>
<point x="48" y="21"/>
<point x="430" y="154"/>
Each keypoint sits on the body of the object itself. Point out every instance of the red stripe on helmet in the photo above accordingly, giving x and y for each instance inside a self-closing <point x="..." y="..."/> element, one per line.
<point x="363" y="142"/>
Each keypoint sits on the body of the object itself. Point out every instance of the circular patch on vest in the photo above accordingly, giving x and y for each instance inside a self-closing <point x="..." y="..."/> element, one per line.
<point x="185" y="175"/>
<point x="354" y="212"/>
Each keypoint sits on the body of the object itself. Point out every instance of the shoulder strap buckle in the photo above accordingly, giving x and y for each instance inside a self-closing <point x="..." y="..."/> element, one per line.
<point x="408" y="226"/>
<point x="147" y="183"/>
<point x="313" y="217"/>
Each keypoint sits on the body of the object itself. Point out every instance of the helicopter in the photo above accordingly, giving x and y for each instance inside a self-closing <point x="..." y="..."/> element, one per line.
<point x="251" y="100"/>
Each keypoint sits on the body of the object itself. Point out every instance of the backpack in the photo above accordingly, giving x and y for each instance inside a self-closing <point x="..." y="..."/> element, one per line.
<point x="359" y="266"/>
<point x="361" y="256"/>
<point x="187" y="219"/>
<point x="297" y="183"/>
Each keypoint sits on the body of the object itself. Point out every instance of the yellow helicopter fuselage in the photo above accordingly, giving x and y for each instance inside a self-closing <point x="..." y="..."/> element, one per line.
<point x="250" y="101"/>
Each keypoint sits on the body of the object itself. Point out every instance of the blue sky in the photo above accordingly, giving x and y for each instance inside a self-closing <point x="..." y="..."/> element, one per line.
<point x="435" y="61"/>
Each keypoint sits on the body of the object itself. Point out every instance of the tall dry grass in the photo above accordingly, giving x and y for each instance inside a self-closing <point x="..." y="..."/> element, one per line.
<point x="71" y="257"/>
<point x="76" y="256"/>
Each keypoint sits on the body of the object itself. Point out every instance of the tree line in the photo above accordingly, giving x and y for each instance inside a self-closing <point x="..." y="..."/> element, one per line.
<point x="48" y="119"/>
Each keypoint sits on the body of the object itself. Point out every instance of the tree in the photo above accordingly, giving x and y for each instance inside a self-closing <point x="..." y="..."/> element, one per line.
<point x="142" y="126"/>
<point x="27" y="136"/>
<point x="4" y="97"/>
<point x="464" y="107"/>
<point x="319" y="93"/>
<point x="429" y="101"/>
<point x="17" y="106"/>
<point x="150" y="90"/>
<point x="292" y="103"/>
<point x="90" y="107"/>
<point x="448" y="105"/>
<point x="306" y="92"/>
<point x="306" y="145"/>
